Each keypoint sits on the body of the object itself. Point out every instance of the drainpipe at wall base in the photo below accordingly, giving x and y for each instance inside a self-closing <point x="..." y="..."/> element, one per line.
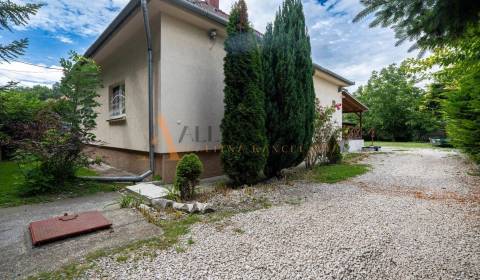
<point x="151" y="145"/>
<point x="123" y="179"/>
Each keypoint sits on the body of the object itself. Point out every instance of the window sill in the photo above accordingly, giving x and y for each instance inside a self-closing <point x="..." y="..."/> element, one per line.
<point x="118" y="118"/>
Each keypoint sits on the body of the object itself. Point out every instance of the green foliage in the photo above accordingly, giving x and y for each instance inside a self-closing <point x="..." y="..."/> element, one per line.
<point x="395" y="106"/>
<point x="13" y="50"/>
<point x="157" y="178"/>
<point x="451" y="30"/>
<point x="325" y="128"/>
<point x="188" y="172"/>
<point x="430" y="24"/>
<point x="290" y="96"/>
<point x="243" y="126"/>
<point x="38" y="91"/>
<point x="128" y="201"/>
<point x="173" y="194"/>
<point x="13" y="14"/>
<point x="431" y="107"/>
<point x="460" y="75"/>
<point x="58" y="132"/>
<point x="334" y="154"/>
<point x="79" y="84"/>
<point x="16" y="108"/>
<point x="36" y="182"/>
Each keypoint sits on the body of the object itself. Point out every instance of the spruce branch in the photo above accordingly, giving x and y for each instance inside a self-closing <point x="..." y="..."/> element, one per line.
<point x="15" y="14"/>
<point x="13" y="50"/>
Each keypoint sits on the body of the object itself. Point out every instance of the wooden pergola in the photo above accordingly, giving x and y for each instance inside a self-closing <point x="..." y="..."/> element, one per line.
<point x="351" y="105"/>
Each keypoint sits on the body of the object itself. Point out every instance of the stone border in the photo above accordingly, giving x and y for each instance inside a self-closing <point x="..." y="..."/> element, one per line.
<point x="196" y="207"/>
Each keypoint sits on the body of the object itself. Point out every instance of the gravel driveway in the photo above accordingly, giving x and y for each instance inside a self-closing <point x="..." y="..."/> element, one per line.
<point x="415" y="216"/>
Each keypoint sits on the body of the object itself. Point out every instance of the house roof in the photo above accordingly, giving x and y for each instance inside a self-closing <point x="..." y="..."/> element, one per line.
<point x="351" y="104"/>
<point x="333" y="74"/>
<point x="199" y="7"/>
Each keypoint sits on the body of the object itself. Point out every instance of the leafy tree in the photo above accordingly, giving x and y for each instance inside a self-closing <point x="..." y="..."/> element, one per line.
<point x="430" y="24"/>
<point x="243" y="127"/>
<point x="290" y="96"/>
<point x="16" y="108"/>
<point x="19" y="106"/>
<point x="59" y="132"/>
<point x="431" y="107"/>
<point x="81" y="79"/>
<point x="460" y="75"/>
<point x="394" y="105"/>
<point x="41" y="92"/>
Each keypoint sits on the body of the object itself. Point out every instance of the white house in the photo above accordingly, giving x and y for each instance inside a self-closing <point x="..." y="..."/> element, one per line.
<point x="188" y="51"/>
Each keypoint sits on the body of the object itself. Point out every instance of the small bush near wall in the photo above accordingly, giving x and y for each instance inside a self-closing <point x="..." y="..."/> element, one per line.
<point x="324" y="129"/>
<point x="334" y="153"/>
<point x="189" y="169"/>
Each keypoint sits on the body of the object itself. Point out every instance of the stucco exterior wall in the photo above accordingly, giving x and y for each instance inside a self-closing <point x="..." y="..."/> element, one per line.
<point x="192" y="85"/>
<point x="126" y="63"/>
<point x="188" y="85"/>
<point x="327" y="92"/>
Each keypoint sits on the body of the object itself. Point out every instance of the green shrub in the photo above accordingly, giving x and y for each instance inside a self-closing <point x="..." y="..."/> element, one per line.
<point x="36" y="182"/>
<point x="334" y="153"/>
<point x="189" y="169"/>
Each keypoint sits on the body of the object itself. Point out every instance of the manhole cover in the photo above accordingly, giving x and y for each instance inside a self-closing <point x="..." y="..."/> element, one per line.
<point x="67" y="226"/>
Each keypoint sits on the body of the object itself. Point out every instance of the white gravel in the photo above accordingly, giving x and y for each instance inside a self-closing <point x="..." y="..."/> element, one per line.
<point x="372" y="227"/>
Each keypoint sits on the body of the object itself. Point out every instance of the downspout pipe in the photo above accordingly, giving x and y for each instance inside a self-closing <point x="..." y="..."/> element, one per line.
<point x="151" y="150"/>
<point x="146" y="22"/>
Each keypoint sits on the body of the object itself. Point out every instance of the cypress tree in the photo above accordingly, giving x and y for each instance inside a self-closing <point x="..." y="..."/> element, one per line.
<point x="243" y="127"/>
<point x="288" y="85"/>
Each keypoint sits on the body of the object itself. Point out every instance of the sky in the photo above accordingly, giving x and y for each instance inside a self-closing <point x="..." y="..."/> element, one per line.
<point x="352" y="50"/>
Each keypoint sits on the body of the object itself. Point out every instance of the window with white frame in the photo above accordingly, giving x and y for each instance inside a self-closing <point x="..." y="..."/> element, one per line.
<point x="117" y="101"/>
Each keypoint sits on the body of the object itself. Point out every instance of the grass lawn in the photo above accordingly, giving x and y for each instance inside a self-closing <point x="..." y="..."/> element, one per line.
<point x="11" y="178"/>
<point x="418" y="145"/>
<point x="337" y="172"/>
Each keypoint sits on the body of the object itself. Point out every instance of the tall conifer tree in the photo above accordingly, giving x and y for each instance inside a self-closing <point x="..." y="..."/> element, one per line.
<point x="288" y="81"/>
<point x="243" y="127"/>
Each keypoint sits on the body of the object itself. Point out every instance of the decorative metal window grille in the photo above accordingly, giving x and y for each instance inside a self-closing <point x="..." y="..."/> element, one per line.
<point x="117" y="101"/>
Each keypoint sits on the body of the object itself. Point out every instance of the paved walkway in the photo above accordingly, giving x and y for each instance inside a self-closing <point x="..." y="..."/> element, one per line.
<point x="19" y="258"/>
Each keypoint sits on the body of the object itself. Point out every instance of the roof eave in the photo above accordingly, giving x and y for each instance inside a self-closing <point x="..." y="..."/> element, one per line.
<point x="333" y="74"/>
<point x="130" y="9"/>
<point x="112" y="27"/>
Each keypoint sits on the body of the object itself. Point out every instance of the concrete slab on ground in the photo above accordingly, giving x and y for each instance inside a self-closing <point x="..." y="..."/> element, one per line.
<point x="20" y="259"/>
<point x="149" y="191"/>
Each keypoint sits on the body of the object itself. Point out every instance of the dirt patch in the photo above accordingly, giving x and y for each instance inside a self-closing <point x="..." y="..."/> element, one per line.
<point x="419" y="194"/>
